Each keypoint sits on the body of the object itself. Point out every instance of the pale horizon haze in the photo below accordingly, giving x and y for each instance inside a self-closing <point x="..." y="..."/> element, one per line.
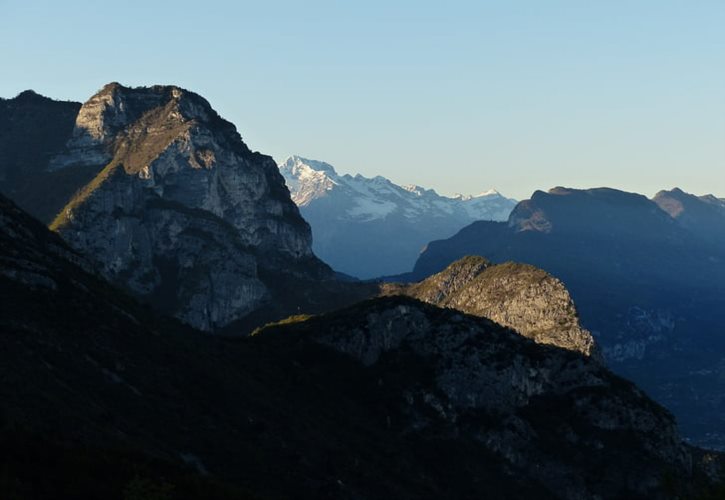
<point x="460" y="96"/>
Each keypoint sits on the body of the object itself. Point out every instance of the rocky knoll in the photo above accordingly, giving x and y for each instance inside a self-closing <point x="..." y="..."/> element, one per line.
<point x="174" y="207"/>
<point x="519" y="296"/>
<point x="547" y="417"/>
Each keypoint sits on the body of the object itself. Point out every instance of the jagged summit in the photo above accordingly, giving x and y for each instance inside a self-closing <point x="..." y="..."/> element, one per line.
<point x="169" y="109"/>
<point x="163" y="193"/>
<point x="295" y="164"/>
<point x="369" y="227"/>
<point x="489" y="193"/>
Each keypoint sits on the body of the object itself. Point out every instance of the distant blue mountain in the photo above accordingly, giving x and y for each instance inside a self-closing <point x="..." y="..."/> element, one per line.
<point x="372" y="227"/>
<point x="648" y="277"/>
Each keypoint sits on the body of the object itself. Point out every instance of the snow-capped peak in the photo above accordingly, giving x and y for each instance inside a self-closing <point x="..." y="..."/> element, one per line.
<point x="487" y="193"/>
<point x="361" y="198"/>
<point x="295" y="164"/>
<point x="370" y="227"/>
<point x="308" y="179"/>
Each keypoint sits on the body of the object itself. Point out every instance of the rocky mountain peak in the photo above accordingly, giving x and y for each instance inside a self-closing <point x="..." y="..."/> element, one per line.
<point x="117" y="110"/>
<point x="519" y="296"/>
<point x="163" y="193"/>
<point x="296" y="165"/>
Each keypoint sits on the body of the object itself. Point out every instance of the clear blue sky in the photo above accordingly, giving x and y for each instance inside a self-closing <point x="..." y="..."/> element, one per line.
<point x="460" y="95"/>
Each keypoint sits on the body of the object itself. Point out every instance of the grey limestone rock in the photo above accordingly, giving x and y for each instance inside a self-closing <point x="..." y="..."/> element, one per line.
<point x="181" y="212"/>
<point x="519" y="296"/>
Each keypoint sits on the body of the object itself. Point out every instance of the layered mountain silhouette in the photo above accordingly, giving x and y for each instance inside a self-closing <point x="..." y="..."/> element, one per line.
<point x="390" y="398"/>
<point x="649" y="283"/>
<point x="704" y="216"/>
<point x="163" y="194"/>
<point x="371" y="227"/>
<point x="142" y="221"/>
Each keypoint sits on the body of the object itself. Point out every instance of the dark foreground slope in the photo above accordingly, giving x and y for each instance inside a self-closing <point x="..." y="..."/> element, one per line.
<point x="646" y="282"/>
<point x="34" y="129"/>
<point x="391" y="398"/>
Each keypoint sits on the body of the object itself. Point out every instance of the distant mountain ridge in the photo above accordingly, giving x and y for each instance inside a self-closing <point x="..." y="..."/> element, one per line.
<point x="369" y="227"/>
<point x="702" y="215"/>
<point x="648" y="281"/>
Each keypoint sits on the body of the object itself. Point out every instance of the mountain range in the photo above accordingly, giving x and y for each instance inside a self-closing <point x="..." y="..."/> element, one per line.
<point x="389" y="398"/>
<point x="371" y="227"/>
<point x="139" y="222"/>
<point x="647" y="276"/>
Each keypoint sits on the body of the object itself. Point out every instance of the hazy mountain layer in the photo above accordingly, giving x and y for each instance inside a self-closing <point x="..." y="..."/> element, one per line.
<point x="648" y="286"/>
<point x="373" y="227"/>
<point x="702" y="215"/>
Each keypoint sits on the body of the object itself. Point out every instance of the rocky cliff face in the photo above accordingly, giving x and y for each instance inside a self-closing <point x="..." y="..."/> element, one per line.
<point x="178" y="210"/>
<point x="519" y="296"/>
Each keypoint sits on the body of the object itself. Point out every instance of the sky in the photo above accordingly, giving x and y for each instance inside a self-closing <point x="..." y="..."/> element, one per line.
<point x="460" y="96"/>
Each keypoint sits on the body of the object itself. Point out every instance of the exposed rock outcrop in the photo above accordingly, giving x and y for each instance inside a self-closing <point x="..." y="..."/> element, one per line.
<point x="550" y="416"/>
<point x="519" y="296"/>
<point x="178" y="210"/>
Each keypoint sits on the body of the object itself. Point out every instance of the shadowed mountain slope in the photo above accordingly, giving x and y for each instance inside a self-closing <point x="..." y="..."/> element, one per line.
<point x="703" y="216"/>
<point x="647" y="286"/>
<point x="391" y="398"/>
